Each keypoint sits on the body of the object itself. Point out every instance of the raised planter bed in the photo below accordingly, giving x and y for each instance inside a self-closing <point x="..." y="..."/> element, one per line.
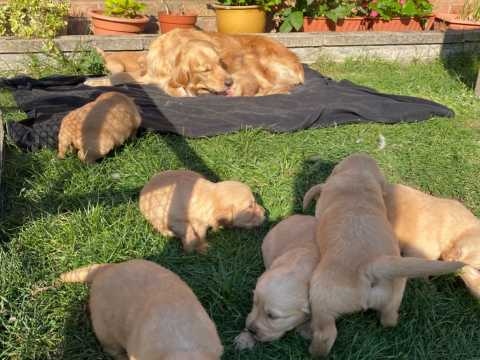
<point x="405" y="46"/>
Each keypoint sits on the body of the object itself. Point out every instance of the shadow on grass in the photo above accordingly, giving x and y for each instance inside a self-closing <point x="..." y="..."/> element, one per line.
<point x="465" y="65"/>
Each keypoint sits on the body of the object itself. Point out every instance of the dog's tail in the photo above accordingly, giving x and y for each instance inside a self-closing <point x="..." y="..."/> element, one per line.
<point x="389" y="267"/>
<point x="84" y="274"/>
<point x="99" y="51"/>
<point x="311" y="194"/>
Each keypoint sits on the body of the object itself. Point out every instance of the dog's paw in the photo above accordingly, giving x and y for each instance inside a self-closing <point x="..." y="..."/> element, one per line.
<point x="244" y="340"/>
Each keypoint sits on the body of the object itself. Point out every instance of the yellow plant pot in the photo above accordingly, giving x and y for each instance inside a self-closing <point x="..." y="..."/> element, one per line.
<point x="240" y="19"/>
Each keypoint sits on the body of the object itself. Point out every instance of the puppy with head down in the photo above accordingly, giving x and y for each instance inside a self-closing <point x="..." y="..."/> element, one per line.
<point x="360" y="266"/>
<point x="142" y="311"/>
<point x="436" y="228"/>
<point x="280" y="298"/>
<point x="94" y="129"/>
<point x="183" y="203"/>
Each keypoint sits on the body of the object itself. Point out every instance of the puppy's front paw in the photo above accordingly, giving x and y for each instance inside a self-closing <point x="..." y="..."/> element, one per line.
<point x="244" y="340"/>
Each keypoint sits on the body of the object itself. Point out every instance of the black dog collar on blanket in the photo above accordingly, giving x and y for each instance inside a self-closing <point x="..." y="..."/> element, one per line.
<point x="320" y="102"/>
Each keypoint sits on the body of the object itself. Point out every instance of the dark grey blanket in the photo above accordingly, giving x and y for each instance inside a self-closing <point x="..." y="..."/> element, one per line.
<point x="318" y="103"/>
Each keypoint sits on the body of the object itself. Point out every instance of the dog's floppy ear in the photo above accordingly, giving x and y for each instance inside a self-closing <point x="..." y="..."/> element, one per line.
<point x="181" y="72"/>
<point x="311" y="194"/>
<point x="224" y="215"/>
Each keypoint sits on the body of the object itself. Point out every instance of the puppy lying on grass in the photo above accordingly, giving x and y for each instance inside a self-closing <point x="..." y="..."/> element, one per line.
<point x="360" y="266"/>
<point x="184" y="204"/>
<point x="97" y="127"/>
<point x="280" y="300"/>
<point x="142" y="311"/>
<point x="435" y="228"/>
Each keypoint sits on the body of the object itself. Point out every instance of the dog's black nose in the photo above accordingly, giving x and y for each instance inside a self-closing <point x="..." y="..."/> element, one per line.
<point x="229" y="82"/>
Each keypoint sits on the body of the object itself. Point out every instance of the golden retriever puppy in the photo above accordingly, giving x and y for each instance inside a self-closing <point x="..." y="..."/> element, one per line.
<point x="280" y="298"/>
<point x="188" y="62"/>
<point x="360" y="266"/>
<point x="97" y="127"/>
<point x="183" y="203"/>
<point x="436" y="228"/>
<point x="142" y="311"/>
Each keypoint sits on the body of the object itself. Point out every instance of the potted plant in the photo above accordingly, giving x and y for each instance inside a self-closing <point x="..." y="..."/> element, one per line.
<point x="118" y="17"/>
<point x="324" y="15"/>
<point x="170" y="19"/>
<point x="400" y="15"/>
<point x="243" y="16"/>
<point x="468" y="19"/>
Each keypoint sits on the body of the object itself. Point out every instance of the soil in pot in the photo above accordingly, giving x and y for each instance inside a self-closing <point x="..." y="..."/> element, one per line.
<point x="322" y="24"/>
<point x="240" y="19"/>
<point x="169" y="22"/>
<point x="111" y="25"/>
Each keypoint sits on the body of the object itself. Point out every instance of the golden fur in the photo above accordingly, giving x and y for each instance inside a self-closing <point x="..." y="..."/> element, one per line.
<point x="184" y="204"/>
<point x="123" y="66"/>
<point x="436" y="228"/>
<point x="280" y="298"/>
<point x="142" y="311"/>
<point x="187" y="62"/>
<point x="360" y="266"/>
<point x="97" y="127"/>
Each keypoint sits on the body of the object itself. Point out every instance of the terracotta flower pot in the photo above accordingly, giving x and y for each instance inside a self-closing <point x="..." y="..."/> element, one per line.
<point x="401" y="24"/>
<point x="169" y="22"/>
<point x="240" y="19"/>
<point x="320" y="24"/>
<point x="452" y="22"/>
<point x="111" y="25"/>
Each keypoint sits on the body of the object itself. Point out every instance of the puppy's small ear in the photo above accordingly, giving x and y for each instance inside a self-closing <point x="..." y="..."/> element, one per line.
<point x="224" y="215"/>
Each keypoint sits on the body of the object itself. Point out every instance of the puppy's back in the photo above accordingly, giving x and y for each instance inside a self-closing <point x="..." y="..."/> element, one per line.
<point x="296" y="231"/>
<point x="150" y="310"/>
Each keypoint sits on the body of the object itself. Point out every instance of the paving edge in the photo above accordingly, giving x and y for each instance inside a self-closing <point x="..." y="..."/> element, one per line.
<point x="309" y="46"/>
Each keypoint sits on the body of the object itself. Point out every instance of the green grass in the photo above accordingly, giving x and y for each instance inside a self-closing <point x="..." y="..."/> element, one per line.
<point x="62" y="214"/>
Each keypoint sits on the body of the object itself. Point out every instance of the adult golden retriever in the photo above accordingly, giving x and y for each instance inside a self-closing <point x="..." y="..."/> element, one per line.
<point x="360" y="265"/>
<point x="183" y="203"/>
<point x="142" y="311"/>
<point x="188" y="62"/>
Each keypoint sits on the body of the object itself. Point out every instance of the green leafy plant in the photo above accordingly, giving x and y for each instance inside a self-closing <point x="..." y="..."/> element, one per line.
<point x="292" y="17"/>
<point x="471" y="10"/>
<point x="386" y="9"/>
<point x="33" y="18"/>
<point x="267" y="5"/>
<point x="123" y="8"/>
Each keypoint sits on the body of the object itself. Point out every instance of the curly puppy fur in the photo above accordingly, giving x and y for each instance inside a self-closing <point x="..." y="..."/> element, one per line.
<point x="184" y="204"/>
<point x="360" y="265"/>
<point x="94" y="129"/>
<point x="142" y="311"/>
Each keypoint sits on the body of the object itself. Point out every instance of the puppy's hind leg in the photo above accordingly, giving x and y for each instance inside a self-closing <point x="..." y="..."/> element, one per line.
<point x="389" y="311"/>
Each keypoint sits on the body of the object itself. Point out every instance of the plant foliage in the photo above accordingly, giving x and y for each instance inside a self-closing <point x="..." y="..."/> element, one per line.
<point x="33" y="18"/>
<point x="386" y="9"/>
<point x="123" y="8"/>
<point x="471" y="10"/>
